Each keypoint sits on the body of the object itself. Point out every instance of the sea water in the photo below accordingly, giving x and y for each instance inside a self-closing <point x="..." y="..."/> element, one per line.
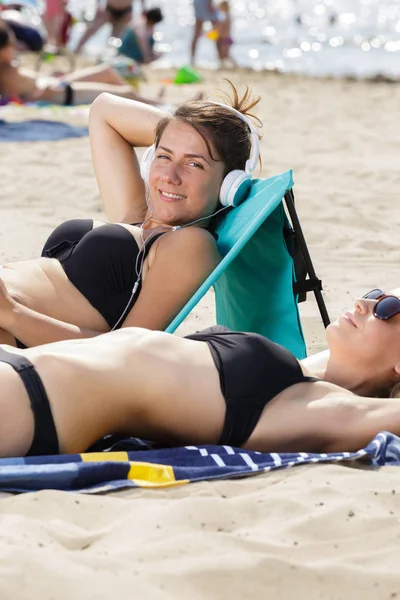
<point x="359" y="38"/>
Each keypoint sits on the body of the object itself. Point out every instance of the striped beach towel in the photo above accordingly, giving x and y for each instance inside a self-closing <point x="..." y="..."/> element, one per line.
<point x="159" y="468"/>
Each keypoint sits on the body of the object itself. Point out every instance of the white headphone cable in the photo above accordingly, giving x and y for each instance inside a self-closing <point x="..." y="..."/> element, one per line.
<point x="141" y="253"/>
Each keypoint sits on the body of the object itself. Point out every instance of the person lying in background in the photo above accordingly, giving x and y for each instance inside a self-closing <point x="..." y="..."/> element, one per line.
<point x="80" y="87"/>
<point x="212" y="387"/>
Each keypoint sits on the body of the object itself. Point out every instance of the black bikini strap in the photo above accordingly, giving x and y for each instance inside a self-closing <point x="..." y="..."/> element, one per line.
<point x="148" y="244"/>
<point x="138" y="285"/>
<point x="45" y="440"/>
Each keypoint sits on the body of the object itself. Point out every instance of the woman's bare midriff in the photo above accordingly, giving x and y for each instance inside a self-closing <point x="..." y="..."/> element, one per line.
<point x="43" y="286"/>
<point x="131" y="381"/>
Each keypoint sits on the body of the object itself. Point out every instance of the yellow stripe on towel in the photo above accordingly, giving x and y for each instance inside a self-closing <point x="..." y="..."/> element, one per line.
<point x="153" y="475"/>
<point x="142" y="473"/>
<point x="105" y="456"/>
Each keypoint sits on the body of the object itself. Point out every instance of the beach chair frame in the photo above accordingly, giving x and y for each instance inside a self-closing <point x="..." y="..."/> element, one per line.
<point x="306" y="278"/>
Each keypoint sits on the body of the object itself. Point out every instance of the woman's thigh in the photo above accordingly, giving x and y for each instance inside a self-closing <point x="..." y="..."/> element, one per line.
<point x="87" y="92"/>
<point x="98" y="74"/>
<point x="54" y="8"/>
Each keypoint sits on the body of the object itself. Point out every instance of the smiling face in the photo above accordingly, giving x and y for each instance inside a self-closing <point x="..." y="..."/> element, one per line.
<point x="370" y="344"/>
<point x="184" y="180"/>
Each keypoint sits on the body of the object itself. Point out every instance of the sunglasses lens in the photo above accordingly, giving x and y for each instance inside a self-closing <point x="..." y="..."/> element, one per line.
<point x="388" y="307"/>
<point x="374" y="294"/>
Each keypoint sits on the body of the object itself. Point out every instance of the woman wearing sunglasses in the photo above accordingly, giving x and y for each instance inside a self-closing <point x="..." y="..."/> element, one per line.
<point x="214" y="386"/>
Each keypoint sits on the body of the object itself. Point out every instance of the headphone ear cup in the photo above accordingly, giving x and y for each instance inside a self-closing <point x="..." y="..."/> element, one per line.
<point x="234" y="188"/>
<point x="146" y="161"/>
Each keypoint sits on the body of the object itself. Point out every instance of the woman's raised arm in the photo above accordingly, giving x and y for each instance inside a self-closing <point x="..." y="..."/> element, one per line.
<point x="115" y="126"/>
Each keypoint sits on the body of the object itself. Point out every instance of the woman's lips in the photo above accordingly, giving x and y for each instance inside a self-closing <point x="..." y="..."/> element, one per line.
<point x="350" y="317"/>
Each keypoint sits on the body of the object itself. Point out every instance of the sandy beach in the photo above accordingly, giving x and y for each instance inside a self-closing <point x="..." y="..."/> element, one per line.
<point x="313" y="532"/>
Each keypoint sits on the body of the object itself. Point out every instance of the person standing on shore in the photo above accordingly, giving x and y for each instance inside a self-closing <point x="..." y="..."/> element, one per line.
<point x="53" y="18"/>
<point x="224" y="33"/>
<point x="204" y="11"/>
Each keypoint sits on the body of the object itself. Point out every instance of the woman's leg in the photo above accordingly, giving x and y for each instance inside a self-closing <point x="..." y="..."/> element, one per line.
<point x="86" y="92"/>
<point x="197" y="31"/>
<point x="52" y="19"/>
<point x="119" y="25"/>
<point x="101" y="18"/>
<point x="97" y="74"/>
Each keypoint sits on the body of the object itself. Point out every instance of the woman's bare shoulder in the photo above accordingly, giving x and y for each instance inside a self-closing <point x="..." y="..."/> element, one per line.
<point x="187" y="246"/>
<point x="195" y="238"/>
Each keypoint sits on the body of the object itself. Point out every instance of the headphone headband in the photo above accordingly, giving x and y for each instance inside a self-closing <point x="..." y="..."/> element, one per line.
<point x="251" y="163"/>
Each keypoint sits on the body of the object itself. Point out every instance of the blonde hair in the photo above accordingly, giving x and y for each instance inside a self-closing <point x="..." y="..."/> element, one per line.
<point x="395" y="391"/>
<point x="391" y="390"/>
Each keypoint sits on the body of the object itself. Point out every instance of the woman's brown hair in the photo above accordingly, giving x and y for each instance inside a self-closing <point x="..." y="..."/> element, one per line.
<point x="222" y="130"/>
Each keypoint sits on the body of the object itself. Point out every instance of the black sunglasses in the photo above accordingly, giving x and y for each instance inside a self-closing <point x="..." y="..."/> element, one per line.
<point x="386" y="306"/>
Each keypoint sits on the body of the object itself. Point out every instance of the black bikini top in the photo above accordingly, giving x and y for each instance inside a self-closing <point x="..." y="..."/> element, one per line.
<point x="277" y="367"/>
<point x="100" y="263"/>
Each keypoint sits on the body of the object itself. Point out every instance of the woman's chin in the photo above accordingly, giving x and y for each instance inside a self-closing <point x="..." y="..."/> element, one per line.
<point x="167" y="217"/>
<point x="333" y="332"/>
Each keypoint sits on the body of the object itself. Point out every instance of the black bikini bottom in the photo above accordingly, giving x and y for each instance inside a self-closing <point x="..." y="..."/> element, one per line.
<point x="45" y="440"/>
<point x="69" y="95"/>
<point x="118" y="13"/>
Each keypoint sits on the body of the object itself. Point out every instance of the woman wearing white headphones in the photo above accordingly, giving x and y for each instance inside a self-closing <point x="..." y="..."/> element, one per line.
<point x="141" y="267"/>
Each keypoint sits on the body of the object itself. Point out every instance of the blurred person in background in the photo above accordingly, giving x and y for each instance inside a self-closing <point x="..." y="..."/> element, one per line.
<point x="223" y="28"/>
<point x="138" y="38"/>
<point x="204" y="11"/>
<point x="116" y="12"/>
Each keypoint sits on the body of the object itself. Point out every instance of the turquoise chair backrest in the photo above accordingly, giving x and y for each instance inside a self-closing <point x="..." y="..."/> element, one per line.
<point x="254" y="280"/>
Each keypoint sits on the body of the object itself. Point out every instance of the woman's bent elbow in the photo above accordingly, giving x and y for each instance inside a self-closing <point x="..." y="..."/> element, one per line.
<point x="99" y="106"/>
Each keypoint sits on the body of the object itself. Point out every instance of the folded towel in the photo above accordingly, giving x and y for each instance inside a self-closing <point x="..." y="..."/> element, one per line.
<point x="38" y="130"/>
<point x="107" y="471"/>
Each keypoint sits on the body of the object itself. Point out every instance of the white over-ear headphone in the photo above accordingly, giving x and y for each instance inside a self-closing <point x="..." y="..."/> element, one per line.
<point x="236" y="184"/>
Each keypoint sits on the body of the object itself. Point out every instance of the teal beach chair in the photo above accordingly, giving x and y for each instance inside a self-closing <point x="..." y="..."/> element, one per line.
<point x="266" y="268"/>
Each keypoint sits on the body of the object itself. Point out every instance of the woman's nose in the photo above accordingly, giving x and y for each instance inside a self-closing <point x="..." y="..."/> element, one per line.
<point x="364" y="306"/>
<point x="171" y="174"/>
